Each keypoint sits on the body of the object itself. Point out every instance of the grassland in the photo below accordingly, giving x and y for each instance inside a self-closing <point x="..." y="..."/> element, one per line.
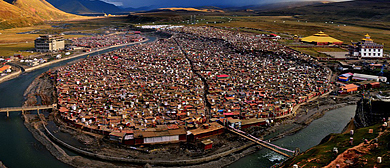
<point x="16" y="48"/>
<point x="321" y="155"/>
<point x="12" y="36"/>
<point x="290" y="25"/>
<point x="317" y="52"/>
<point x="13" y="40"/>
<point x="310" y="51"/>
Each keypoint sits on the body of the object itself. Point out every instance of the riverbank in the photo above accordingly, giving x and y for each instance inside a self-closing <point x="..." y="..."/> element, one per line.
<point x="10" y="76"/>
<point x="35" y="125"/>
<point x="16" y="74"/>
<point x="2" y="165"/>
<point x="363" y="152"/>
<point x="304" y="116"/>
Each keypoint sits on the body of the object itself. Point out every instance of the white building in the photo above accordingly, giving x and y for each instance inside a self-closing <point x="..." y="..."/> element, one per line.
<point x="366" y="48"/>
<point x="357" y="76"/>
<point x="49" y="43"/>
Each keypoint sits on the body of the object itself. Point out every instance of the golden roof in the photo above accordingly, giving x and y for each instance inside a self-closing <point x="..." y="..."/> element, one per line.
<point x="320" y="37"/>
<point x="367" y="37"/>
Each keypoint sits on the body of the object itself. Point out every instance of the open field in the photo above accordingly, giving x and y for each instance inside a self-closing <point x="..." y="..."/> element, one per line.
<point x="316" y="52"/>
<point x="11" y="36"/>
<point x="15" y="48"/>
<point x="12" y="41"/>
<point x="290" y="25"/>
<point x="310" y="51"/>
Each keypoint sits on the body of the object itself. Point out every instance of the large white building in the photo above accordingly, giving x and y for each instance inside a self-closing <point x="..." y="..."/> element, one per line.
<point x="366" y="48"/>
<point x="49" y="43"/>
<point x="357" y="76"/>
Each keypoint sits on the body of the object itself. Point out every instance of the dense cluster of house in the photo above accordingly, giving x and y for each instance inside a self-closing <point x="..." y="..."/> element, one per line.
<point x="105" y="40"/>
<point x="151" y="93"/>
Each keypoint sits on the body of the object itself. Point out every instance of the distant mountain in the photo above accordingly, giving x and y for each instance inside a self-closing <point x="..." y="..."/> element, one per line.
<point x="274" y="6"/>
<point x="144" y="8"/>
<point x="85" y="6"/>
<point x="190" y="10"/>
<point x="71" y="6"/>
<point x="352" y="12"/>
<point x="19" y="13"/>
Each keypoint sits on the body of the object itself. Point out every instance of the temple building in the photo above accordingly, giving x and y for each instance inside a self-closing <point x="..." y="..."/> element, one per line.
<point x="321" y="39"/>
<point x="366" y="48"/>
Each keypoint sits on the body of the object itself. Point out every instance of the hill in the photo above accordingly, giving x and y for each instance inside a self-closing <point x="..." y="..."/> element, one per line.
<point x="174" y="15"/>
<point x="357" y="12"/>
<point x="357" y="154"/>
<point x="42" y="9"/>
<point x="19" y="13"/>
<point x="85" y="6"/>
<point x="71" y="6"/>
<point x="191" y="9"/>
<point x="12" y="16"/>
<point x="274" y="6"/>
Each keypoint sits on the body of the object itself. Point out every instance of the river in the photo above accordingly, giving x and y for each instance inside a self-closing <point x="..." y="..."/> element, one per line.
<point x="333" y="121"/>
<point x="18" y="148"/>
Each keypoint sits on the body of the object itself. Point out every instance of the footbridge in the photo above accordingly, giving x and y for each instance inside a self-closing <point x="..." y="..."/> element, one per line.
<point x="26" y="108"/>
<point x="264" y="144"/>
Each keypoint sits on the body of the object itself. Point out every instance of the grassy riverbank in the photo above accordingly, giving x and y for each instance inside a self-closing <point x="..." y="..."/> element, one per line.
<point x="322" y="155"/>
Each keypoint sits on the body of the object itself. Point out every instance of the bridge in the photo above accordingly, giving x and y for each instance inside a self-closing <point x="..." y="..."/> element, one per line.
<point x="26" y="108"/>
<point x="264" y="144"/>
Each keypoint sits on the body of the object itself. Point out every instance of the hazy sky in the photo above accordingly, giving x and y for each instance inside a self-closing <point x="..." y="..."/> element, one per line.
<point x="186" y="3"/>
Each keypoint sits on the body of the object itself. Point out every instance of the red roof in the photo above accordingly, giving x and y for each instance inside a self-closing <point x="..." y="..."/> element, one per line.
<point x="375" y="83"/>
<point x="63" y="109"/>
<point x="223" y="76"/>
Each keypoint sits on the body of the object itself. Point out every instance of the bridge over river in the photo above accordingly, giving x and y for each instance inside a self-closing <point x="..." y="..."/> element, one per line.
<point x="264" y="144"/>
<point x="26" y="108"/>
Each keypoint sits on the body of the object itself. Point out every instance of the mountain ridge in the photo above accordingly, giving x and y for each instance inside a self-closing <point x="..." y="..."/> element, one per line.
<point x="85" y="6"/>
<point x="20" y="13"/>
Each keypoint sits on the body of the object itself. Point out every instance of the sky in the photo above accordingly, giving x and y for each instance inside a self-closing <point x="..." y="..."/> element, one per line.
<point x="194" y="3"/>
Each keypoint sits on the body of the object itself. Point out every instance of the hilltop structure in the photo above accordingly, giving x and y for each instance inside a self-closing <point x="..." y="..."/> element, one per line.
<point x="366" y="48"/>
<point x="49" y="43"/>
<point x="321" y="39"/>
